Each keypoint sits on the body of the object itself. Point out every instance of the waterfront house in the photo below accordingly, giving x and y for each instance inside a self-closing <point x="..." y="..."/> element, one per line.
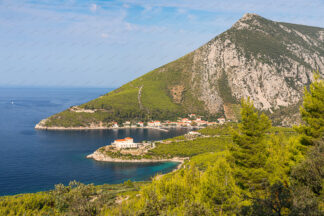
<point x="185" y="120"/>
<point x="115" y="125"/>
<point x="140" y="124"/>
<point x="150" y="124"/>
<point x="128" y="142"/>
<point x="201" y="122"/>
<point x="127" y="124"/>
<point x="154" y="124"/>
<point x="183" y="124"/>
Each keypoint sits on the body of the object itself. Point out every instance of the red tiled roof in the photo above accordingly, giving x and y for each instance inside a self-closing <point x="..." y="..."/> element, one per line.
<point x="120" y="140"/>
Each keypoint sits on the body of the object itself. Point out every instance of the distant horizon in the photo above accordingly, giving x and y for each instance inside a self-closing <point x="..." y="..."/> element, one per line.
<point x="59" y="87"/>
<point x="109" y="43"/>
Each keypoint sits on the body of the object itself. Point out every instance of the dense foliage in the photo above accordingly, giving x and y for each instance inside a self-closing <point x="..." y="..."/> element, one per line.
<point x="75" y="199"/>
<point x="312" y="112"/>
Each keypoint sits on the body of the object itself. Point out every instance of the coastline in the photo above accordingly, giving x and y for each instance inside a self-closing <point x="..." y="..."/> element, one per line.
<point x="40" y="126"/>
<point x="98" y="156"/>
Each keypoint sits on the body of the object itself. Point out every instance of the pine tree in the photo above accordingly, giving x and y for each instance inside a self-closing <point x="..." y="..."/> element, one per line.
<point x="312" y="112"/>
<point x="249" y="150"/>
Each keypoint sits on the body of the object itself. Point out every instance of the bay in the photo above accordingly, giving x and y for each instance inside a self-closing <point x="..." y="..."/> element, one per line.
<point x="33" y="160"/>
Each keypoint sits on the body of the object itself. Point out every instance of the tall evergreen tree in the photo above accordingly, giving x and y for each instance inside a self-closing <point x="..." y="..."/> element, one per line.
<point x="312" y="112"/>
<point x="249" y="149"/>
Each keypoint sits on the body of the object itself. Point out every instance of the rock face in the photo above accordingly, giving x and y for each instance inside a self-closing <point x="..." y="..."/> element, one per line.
<point x="268" y="61"/>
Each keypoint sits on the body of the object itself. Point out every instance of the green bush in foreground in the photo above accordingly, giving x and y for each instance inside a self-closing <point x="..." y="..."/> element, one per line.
<point x="76" y="199"/>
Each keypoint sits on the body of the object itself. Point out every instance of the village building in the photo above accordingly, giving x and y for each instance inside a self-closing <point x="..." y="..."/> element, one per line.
<point x="201" y="122"/>
<point x="140" y="124"/>
<point x="185" y="120"/>
<point x="115" y="125"/>
<point x="127" y="123"/>
<point x="179" y="124"/>
<point x="128" y="142"/>
<point x="169" y="123"/>
<point x="221" y="120"/>
<point x="154" y="124"/>
<point x="150" y="124"/>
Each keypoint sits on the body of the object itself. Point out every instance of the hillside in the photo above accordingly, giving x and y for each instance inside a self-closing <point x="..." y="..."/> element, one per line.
<point x="268" y="61"/>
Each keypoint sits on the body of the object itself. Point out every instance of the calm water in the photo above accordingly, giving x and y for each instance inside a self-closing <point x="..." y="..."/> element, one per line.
<point x="33" y="160"/>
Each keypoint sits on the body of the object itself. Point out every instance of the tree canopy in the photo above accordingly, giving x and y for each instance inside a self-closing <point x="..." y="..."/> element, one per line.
<point x="312" y="112"/>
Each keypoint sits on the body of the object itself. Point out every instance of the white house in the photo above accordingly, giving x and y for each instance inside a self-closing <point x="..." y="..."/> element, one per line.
<point x="221" y="120"/>
<point x="201" y="122"/>
<point x="128" y="142"/>
<point x="154" y="124"/>
<point x="185" y="120"/>
<point x="150" y="124"/>
<point x="115" y="125"/>
<point x="157" y="123"/>
<point x="127" y="123"/>
<point x="140" y="124"/>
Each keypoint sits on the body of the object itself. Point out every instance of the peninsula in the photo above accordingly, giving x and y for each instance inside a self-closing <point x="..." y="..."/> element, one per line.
<point x="126" y="150"/>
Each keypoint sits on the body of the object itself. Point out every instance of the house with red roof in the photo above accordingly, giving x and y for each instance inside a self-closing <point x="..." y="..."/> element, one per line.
<point x="127" y="142"/>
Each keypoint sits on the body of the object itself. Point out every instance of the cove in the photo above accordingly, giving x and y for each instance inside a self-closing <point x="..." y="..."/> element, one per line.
<point x="33" y="160"/>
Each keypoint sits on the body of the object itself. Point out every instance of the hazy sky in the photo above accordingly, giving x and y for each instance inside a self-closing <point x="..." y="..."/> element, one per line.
<point x="108" y="43"/>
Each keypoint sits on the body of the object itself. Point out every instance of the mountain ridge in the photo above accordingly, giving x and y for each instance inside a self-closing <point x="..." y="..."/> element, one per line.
<point x="268" y="61"/>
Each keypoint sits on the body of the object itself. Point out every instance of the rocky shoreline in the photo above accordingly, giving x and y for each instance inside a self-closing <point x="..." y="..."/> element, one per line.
<point x="99" y="156"/>
<point x="42" y="123"/>
<point x="41" y="127"/>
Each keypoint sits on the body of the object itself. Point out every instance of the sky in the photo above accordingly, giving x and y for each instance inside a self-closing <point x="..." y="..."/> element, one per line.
<point x="107" y="43"/>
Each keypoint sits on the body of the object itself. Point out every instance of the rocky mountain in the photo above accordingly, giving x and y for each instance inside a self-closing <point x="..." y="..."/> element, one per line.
<point x="268" y="61"/>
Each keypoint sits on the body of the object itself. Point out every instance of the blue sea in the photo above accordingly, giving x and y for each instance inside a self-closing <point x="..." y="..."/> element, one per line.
<point x="32" y="160"/>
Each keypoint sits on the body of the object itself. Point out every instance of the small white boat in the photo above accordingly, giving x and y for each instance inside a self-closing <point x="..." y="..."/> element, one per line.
<point x="12" y="102"/>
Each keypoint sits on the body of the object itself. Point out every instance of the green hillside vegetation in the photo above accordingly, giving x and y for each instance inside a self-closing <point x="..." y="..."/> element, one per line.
<point x="155" y="99"/>
<point x="74" y="199"/>
<point x="189" y="148"/>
